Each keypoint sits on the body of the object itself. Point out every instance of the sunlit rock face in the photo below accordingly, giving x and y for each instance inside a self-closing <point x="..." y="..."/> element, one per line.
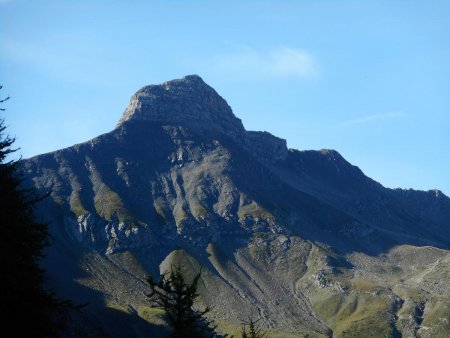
<point x="187" y="101"/>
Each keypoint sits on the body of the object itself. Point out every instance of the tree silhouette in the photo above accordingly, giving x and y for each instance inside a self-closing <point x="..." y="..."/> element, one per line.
<point x="176" y="297"/>
<point x="27" y="309"/>
<point x="250" y="329"/>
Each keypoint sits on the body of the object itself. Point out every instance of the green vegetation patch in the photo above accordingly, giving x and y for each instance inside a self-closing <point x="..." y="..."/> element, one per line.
<point x="363" y="285"/>
<point x="76" y="205"/>
<point x="117" y="307"/>
<point x="254" y="210"/>
<point x="304" y="334"/>
<point x="198" y="210"/>
<point x="162" y="210"/>
<point x="436" y="321"/>
<point x="235" y="330"/>
<point x="107" y="203"/>
<point x="364" y="316"/>
<point x="366" y="311"/>
<point x="180" y="215"/>
<point x="152" y="315"/>
<point x="329" y="307"/>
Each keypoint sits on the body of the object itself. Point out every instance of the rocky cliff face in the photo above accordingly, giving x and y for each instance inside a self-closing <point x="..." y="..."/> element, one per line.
<point x="302" y="239"/>
<point x="187" y="101"/>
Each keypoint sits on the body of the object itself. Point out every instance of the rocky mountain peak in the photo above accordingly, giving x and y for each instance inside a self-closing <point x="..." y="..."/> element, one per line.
<point x="189" y="101"/>
<point x="186" y="101"/>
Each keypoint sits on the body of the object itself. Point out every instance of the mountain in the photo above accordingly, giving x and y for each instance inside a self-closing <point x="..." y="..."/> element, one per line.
<point x="302" y="239"/>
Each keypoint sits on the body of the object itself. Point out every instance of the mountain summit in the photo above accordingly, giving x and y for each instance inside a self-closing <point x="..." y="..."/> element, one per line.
<point x="187" y="101"/>
<point x="303" y="239"/>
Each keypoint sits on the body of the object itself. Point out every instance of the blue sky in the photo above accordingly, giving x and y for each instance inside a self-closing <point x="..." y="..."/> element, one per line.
<point x="370" y="79"/>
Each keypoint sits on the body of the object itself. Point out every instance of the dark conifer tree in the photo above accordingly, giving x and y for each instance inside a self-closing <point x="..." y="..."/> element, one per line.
<point x="176" y="297"/>
<point x="27" y="309"/>
<point x="250" y="329"/>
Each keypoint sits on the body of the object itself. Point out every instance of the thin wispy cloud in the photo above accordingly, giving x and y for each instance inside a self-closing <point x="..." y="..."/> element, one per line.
<point x="374" y="118"/>
<point x="278" y="62"/>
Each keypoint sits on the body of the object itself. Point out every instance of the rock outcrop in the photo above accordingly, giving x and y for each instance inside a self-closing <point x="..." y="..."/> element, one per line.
<point x="266" y="146"/>
<point x="187" y="101"/>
